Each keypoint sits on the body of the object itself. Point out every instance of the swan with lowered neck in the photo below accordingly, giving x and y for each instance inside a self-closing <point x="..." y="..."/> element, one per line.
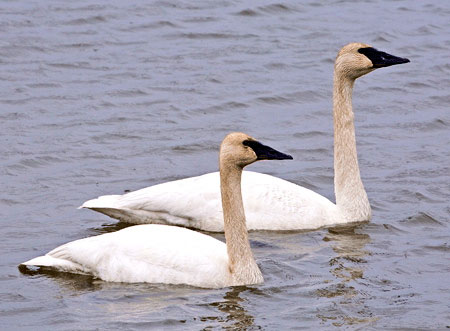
<point x="154" y="253"/>
<point x="270" y="203"/>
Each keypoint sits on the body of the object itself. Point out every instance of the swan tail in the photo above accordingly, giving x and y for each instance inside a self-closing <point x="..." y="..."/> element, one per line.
<point x="112" y="206"/>
<point x="140" y="216"/>
<point x="109" y="206"/>
<point x="105" y="201"/>
<point x="51" y="262"/>
<point x="124" y="215"/>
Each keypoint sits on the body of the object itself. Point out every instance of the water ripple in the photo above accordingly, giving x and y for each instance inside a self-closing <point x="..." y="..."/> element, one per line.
<point x="103" y="97"/>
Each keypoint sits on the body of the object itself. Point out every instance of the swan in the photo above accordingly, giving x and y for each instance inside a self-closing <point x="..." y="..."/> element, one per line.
<point x="155" y="253"/>
<point x="271" y="203"/>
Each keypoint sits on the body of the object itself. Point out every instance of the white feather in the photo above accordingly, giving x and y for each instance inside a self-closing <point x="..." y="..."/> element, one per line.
<point x="149" y="253"/>
<point x="270" y="203"/>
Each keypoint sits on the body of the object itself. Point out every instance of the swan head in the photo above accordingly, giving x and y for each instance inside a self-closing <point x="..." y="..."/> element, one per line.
<point x="357" y="59"/>
<point x="241" y="150"/>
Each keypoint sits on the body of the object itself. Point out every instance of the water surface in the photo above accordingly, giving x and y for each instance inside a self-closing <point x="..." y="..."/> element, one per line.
<point x="99" y="97"/>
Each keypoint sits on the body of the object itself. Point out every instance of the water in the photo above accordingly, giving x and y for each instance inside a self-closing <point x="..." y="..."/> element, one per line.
<point x="102" y="97"/>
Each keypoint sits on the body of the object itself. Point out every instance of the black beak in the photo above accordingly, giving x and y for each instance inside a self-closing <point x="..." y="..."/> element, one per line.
<point x="264" y="152"/>
<point x="381" y="59"/>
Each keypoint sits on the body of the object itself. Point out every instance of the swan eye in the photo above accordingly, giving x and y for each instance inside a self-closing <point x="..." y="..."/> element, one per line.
<point x="255" y="145"/>
<point x="250" y="143"/>
<point x="371" y="53"/>
<point x="368" y="50"/>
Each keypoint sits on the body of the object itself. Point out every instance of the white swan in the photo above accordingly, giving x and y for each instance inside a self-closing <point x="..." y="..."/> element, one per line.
<point x="270" y="203"/>
<point x="155" y="253"/>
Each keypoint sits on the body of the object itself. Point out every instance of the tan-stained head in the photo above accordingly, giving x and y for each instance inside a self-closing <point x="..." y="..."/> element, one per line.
<point x="241" y="150"/>
<point x="233" y="150"/>
<point x="351" y="63"/>
<point x="357" y="59"/>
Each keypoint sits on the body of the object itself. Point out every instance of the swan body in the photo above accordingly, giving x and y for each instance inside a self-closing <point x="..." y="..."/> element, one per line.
<point x="271" y="203"/>
<point x="150" y="253"/>
<point x="156" y="253"/>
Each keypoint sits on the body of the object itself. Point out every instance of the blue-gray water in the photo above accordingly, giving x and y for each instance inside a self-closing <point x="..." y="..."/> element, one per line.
<point x="98" y="97"/>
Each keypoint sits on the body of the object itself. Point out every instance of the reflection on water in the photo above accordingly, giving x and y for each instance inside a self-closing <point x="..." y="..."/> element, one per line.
<point x="349" y="247"/>
<point x="237" y="317"/>
<point x="74" y="283"/>
<point x="347" y="267"/>
<point x="109" y="227"/>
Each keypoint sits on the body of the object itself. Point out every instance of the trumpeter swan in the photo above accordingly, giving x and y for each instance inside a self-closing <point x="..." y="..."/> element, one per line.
<point x="270" y="203"/>
<point x="156" y="253"/>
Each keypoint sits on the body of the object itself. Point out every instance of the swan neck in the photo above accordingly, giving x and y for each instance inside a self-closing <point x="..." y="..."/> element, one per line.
<point x="243" y="267"/>
<point x="351" y="198"/>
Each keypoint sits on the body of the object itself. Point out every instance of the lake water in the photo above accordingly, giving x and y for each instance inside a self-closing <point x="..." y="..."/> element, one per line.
<point x="99" y="97"/>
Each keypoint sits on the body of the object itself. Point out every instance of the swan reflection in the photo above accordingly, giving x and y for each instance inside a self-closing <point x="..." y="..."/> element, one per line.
<point x="236" y="316"/>
<point x="349" y="247"/>
<point x="347" y="267"/>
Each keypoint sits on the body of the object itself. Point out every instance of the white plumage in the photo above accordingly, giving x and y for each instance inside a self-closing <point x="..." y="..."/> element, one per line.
<point x="270" y="203"/>
<point x="148" y="253"/>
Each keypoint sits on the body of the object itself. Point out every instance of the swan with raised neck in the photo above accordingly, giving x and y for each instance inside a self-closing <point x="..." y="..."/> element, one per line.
<point x="167" y="254"/>
<point x="353" y="61"/>
<point x="270" y="203"/>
